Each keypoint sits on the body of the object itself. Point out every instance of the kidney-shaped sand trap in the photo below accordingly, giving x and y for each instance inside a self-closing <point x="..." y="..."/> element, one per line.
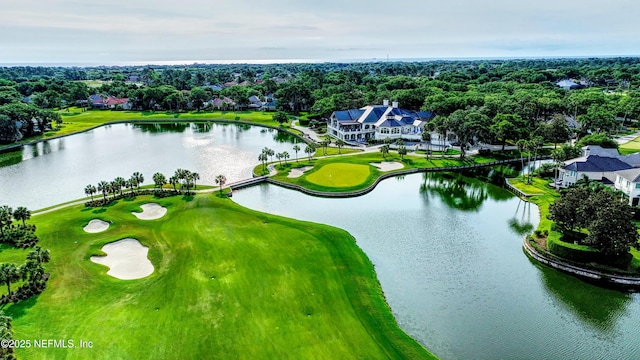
<point x="388" y="165"/>
<point x="96" y="225"/>
<point x="150" y="211"/>
<point x="126" y="259"/>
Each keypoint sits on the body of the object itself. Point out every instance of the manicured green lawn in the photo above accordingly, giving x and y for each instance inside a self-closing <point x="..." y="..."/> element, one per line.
<point x="228" y="283"/>
<point x="335" y="151"/>
<point x="319" y="183"/>
<point x="631" y="147"/>
<point x="75" y="120"/>
<point x="340" y="175"/>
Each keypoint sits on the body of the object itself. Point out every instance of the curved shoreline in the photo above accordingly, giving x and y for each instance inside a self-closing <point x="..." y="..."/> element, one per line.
<point x="10" y="148"/>
<point x="619" y="281"/>
<point x="367" y="189"/>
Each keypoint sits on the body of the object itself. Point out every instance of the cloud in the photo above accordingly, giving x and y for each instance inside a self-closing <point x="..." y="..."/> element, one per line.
<point x="312" y="29"/>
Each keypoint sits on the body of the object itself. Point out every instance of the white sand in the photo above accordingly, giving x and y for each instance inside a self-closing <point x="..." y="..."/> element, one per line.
<point x="150" y="211"/>
<point x="96" y="226"/>
<point x="388" y="165"/>
<point x="126" y="259"/>
<point x="296" y="173"/>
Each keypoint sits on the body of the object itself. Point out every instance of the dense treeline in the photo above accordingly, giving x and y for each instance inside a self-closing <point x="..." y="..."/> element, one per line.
<point x="514" y="98"/>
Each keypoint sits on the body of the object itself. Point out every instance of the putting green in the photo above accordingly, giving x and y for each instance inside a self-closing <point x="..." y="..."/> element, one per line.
<point x="228" y="283"/>
<point x="340" y="175"/>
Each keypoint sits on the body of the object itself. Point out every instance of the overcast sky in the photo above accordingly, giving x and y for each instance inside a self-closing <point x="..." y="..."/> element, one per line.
<point x="116" y="31"/>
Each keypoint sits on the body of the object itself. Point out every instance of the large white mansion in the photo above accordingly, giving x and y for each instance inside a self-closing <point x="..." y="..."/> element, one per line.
<point x="378" y="122"/>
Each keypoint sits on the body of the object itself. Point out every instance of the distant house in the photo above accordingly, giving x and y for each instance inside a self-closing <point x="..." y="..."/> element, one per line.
<point x="378" y="122"/>
<point x="254" y="102"/>
<point x="109" y="102"/>
<point x="270" y="103"/>
<point x="215" y="87"/>
<point x="223" y="103"/>
<point x="569" y="84"/>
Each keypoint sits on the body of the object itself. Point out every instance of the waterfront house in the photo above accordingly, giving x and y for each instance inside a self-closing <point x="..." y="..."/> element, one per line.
<point x="378" y="122"/>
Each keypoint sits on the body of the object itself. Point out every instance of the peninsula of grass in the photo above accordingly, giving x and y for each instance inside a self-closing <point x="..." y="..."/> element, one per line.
<point x="228" y="282"/>
<point x="76" y="120"/>
<point x="317" y="178"/>
<point x="552" y="243"/>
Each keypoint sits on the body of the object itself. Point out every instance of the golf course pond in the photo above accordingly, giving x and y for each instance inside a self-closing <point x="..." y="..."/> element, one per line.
<point x="447" y="249"/>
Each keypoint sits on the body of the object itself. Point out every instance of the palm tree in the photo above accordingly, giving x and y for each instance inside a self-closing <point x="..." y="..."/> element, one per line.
<point x="309" y="149"/>
<point x="6" y="216"/>
<point x="90" y="190"/>
<point x="221" y="180"/>
<point x="285" y="156"/>
<point x="8" y="274"/>
<point x="103" y="187"/>
<point x="263" y="158"/>
<point x="426" y="137"/>
<point x="113" y="188"/>
<point x="296" y="148"/>
<point x="39" y="255"/>
<point x="384" y="150"/>
<point x="340" y="143"/>
<point x="174" y="181"/>
<point x="139" y="179"/>
<point x="195" y="177"/>
<point x="159" y="179"/>
<point x="119" y="181"/>
<point x="279" y="157"/>
<point x="402" y="150"/>
<point x="22" y="213"/>
<point x="269" y="152"/>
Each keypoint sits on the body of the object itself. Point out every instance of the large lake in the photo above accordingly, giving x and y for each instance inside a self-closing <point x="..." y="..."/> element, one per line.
<point x="55" y="171"/>
<point x="447" y="249"/>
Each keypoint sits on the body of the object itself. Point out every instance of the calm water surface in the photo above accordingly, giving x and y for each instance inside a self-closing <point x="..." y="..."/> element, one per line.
<point x="56" y="171"/>
<point x="449" y="257"/>
<point x="447" y="250"/>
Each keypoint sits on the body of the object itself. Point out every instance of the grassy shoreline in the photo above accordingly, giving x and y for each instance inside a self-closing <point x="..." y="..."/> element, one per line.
<point x="228" y="281"/>
<point x="77" y="121"/>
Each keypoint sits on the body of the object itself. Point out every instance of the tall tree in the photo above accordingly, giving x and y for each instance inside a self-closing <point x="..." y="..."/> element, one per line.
<point x="221" y="180"/>
<point x="21" y="213"/>
<point x="296" y="148"/>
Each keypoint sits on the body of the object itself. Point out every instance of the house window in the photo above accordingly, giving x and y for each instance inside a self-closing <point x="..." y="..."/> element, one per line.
<point x="395" y="131"/>
<point x="638" y="186"/>
<point x="574" y="174"/>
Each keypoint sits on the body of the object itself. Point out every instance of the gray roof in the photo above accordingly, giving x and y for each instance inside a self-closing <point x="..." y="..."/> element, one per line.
<point x="596" y="163"/>
<point x="600" y="151"/>
<point x="632" y="175"/>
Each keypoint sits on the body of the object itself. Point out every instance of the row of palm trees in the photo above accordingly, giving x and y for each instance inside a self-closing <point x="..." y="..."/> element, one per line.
<point x="116" y="186"/>
<point x="185" y="179"/>
<point x="267" y="154"/>
<point x="18" y="235"/>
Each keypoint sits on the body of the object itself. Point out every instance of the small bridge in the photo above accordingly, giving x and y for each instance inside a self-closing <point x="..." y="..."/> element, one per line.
<point x="247" y="182"/>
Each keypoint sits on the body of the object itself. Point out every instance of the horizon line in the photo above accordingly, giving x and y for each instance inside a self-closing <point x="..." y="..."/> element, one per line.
<point x="301" y="61"/>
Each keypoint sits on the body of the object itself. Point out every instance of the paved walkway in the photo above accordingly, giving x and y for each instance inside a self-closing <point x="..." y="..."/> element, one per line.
<point x="627" y="138"/>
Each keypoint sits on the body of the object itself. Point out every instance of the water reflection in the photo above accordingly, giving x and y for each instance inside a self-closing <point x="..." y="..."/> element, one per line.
<point x="455" y="190"/>
<point x="158" y="128"/>
<point x="599" y="308"/>
<point x="521" y="221"/>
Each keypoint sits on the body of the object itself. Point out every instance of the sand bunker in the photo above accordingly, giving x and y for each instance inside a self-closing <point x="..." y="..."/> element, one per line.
<point x="150" y="211"/>
<point x="126" y="259"/>
<point x="388" y="165"/>
<point x="296" y="173"/>
<point x="96" y="226"/>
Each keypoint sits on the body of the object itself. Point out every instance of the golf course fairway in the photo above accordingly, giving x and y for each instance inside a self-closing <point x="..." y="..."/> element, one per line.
<point x="228" y="282"/>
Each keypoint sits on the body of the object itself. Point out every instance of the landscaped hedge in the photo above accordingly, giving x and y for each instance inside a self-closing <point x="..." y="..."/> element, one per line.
<point x="573" y="252"/>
